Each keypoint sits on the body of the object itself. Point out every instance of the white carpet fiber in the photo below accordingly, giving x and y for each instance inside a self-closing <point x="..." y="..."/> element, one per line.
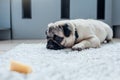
<point x="91" y="64"/>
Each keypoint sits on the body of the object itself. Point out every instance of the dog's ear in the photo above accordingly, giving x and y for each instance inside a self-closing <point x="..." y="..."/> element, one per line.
<point x="50" y="24"/>
<point x="66" y="30"/>
<point x="50" y="27"/>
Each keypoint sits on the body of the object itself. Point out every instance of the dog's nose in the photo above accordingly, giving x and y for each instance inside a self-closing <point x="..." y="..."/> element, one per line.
<point x="53" y="45"/>
<point x="50" y="46"/>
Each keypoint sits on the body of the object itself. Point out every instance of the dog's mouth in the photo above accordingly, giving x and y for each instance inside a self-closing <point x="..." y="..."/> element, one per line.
<point x="52" y="44"/>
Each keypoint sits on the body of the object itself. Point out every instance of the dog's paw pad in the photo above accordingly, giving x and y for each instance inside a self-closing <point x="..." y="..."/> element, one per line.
<point x="77" y="49"/>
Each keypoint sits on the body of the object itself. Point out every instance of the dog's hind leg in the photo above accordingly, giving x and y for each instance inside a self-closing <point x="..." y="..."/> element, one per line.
<point x="109" y="35"/>
<point x="92" y="42"/>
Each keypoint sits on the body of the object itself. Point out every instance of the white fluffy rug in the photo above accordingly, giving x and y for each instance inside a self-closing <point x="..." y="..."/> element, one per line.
<point x="91" y="64"/>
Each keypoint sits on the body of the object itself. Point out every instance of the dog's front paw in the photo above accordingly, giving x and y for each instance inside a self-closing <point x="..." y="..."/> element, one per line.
<point x="78" y="47"/>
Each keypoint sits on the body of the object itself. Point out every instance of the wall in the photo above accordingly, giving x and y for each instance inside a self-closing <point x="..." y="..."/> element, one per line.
<point x="108" y="12"/>
<point x="43" y="12"/>
<point x="88" y="9"/>
<point x="116" y="12"/>
<point x="83" y="9"/>
<point x="116" y="18"/>
<point x="4" y="13"/>
<point x="4" y="18"/>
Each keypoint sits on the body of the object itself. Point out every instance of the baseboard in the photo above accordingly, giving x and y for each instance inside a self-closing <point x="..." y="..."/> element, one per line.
<point x="116" y="31"/>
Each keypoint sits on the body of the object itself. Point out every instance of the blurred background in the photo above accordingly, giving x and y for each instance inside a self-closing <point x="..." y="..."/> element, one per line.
<point x="28" y="19"/>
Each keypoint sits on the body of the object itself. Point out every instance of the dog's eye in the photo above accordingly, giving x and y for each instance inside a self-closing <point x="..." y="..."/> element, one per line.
<point x="58" y="39"/>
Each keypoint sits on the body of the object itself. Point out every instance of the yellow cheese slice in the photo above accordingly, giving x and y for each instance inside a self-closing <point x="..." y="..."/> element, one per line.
<point x="20" y="67"/>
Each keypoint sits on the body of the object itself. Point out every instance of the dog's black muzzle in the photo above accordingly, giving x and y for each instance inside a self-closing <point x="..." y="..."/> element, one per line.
<point x="51" y="44"/>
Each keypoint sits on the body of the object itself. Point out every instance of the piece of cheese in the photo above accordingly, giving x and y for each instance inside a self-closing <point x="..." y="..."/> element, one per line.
<point x="20" y="67"/>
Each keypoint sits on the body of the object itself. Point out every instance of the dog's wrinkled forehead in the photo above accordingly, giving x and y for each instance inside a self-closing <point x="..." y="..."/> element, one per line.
<point x="58" y="29"/>
<point x="53" y="29"/>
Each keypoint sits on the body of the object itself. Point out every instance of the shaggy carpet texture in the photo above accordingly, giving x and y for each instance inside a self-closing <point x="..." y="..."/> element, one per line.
<point x="91" y="64"/>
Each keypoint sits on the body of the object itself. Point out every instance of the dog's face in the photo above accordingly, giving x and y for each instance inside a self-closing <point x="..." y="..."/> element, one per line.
<point x="59" y="36"/>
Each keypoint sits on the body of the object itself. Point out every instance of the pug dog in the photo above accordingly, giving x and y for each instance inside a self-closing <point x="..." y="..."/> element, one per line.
<point x="77" y="34"/>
